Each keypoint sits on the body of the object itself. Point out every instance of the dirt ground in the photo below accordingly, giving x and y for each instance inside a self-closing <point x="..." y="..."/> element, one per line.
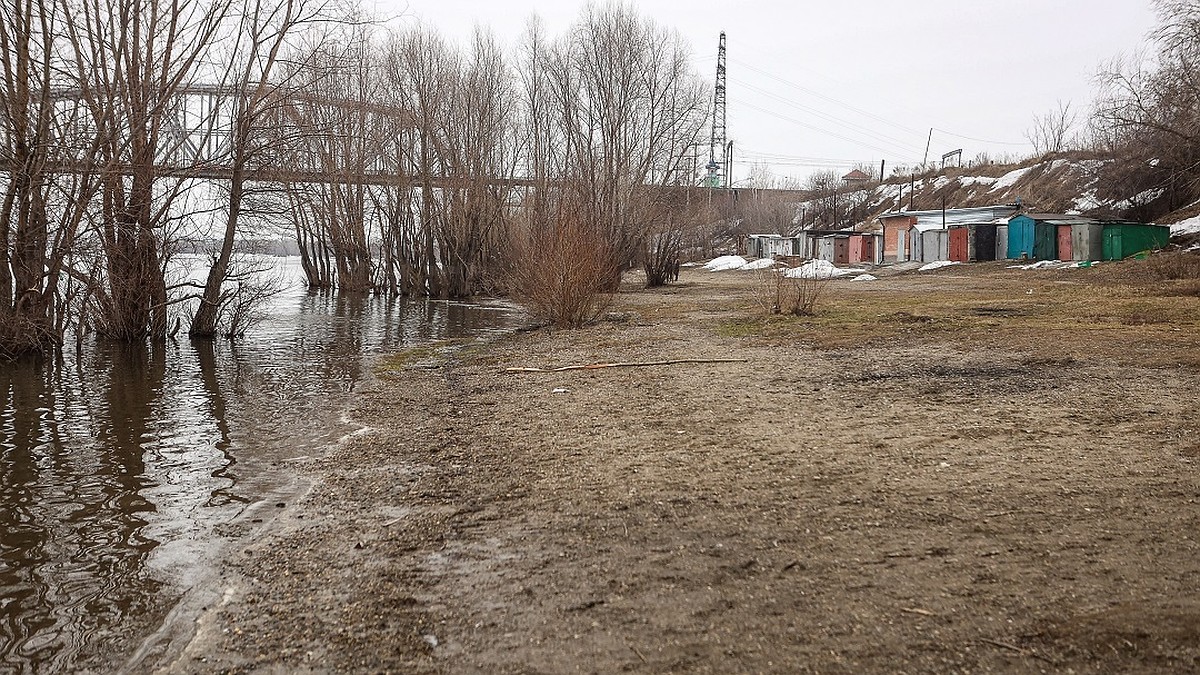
<point x="972" y="470"/>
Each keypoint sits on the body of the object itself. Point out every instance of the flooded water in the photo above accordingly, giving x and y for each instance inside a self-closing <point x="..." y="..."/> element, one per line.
<point x="119" y="467"/>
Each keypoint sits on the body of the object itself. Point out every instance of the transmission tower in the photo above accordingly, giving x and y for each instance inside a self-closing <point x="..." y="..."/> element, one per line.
<point x="717" y="171"/>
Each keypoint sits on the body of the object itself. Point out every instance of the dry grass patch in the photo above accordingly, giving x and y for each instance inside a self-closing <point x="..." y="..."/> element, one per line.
<point x="1039" y="316"/>
<point x="1171" y="265"/>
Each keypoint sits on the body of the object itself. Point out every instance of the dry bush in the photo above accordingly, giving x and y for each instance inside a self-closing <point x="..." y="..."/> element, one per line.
<point x="804" y="293"/>
<point x="777" y="293"/>
<point x="768" y="290"/>
<point x="20" y="336"/>
<point x="1172" y="265"/>
<point x="560" y="270"/>
<point x="660" y="257"/>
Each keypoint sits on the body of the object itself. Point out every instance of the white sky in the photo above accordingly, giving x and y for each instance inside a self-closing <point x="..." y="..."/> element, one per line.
<point x="827" y="83"/>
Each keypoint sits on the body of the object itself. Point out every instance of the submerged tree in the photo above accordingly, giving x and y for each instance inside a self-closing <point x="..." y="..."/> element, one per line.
<point x="130" y="59"/>
<point x="261" y="34"/>
<point x="27" y="292"/>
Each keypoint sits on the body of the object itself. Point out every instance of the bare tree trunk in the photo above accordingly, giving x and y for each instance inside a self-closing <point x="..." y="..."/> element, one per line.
<point x="265" y="32"/>
<point x="131" y="59"/>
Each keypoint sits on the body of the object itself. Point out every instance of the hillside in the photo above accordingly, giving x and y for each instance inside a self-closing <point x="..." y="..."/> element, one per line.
<point x="1070" y="183"/>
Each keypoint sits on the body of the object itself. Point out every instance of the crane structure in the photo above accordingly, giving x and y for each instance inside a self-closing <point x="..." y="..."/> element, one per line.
<point x="718" y="168"/>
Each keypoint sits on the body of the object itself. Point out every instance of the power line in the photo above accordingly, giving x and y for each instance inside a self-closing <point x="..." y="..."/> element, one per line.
<point x="825" y="97"/>
<point x="807" y="165"/>
<point x="866" y="113"/>
<point x="801" y="158"/>
<point x="856" y="128"/>
<point x="977" y="140"/>
<point x="806" y="125"/>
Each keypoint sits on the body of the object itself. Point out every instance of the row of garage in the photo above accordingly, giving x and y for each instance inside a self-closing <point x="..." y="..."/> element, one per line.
<point x="836" y="246"/>
<point x="969" y="234"/>
<point x="1003" y="233"/>
<point x="1031" y="237"/>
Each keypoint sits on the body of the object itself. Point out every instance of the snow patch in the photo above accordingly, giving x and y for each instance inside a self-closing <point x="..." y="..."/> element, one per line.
<point x="968" y="181"/>
<point x="1141" y="198"/>
<point x="1040" y="265"/>
<point x="725" y="262"/>
<point x="1009" y="179"/>
<point x="936" y="265"/>
<point x="1088" y="201"/>
<point x="760" y="264"/>
<point x="819" y="269"/>
<point x="865" y="277"/>
<point x="1189" y="226"/>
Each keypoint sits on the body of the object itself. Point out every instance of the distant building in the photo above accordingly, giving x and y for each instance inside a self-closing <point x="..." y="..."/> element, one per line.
<point x="855" y="179"/>
<point x="770" y="246"/>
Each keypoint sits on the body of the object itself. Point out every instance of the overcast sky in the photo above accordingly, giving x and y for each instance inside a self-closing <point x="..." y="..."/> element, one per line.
<point x="825" y="84"/>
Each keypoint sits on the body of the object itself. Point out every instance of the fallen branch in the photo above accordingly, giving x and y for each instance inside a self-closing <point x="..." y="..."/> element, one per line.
<point x="639" y="654"/>
<point x="917" y="610"/>
<point x="1022" y="652"/>
<point x="629" y="364"/>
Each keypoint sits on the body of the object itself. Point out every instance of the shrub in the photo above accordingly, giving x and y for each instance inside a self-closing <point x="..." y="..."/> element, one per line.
<point x="560" y="270"/>
<point x="784" y="290"/>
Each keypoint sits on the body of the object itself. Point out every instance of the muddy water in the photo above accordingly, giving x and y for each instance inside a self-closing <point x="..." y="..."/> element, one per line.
<point x="120" y="466"/>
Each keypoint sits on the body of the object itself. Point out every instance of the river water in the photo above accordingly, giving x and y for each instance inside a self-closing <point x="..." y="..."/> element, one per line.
<point x="119" y="466"/>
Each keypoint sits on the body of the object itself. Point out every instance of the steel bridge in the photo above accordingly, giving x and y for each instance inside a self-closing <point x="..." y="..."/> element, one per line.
<point x="298" y="140"/>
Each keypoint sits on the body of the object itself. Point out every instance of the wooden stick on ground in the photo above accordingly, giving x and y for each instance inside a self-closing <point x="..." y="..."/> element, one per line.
<point x="629" y="364"/>
<point x="1022" y="652"/>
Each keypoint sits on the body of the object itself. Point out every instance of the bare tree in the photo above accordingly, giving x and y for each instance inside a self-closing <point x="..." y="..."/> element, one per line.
<point x="822" y="209"/>
<point x="131" y="58"/>
<point x="333" y="133"/>
<point x="1148" y="114"/>
<point x="627" y="110"/>
<point x="424" y="71"/>
<point x="1052" y="131"/>
<point x="479" y="148"/>
<point x="27" y="40"/>
<point x="260" y="36"/>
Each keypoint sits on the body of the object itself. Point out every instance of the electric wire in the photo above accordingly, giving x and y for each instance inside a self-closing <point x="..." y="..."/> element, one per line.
<point x="977" y="140"/>
<point x="851" y="126"/>
<point x="866" y="113"/>
<point x="806" y="125"/>
<point x="825" y="97"/>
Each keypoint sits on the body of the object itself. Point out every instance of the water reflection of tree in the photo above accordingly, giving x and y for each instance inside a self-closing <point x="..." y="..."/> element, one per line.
<point x="209" y="377"/>
<point x="71" y="512"/>
<point x="24" y="531"/>
<point x="111" y="522"/>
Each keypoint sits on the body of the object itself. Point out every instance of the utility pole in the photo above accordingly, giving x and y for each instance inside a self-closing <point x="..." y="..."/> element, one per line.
<point x="729" y="164"/>
<point x="928" y="142"/>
